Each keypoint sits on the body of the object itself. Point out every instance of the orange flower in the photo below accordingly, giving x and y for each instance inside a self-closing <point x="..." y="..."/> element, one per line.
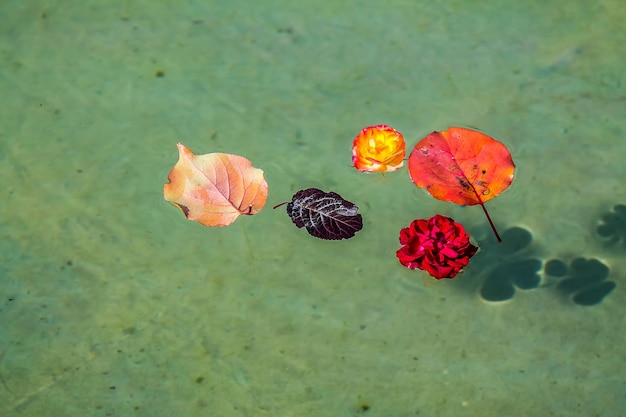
<point x="378" y="149"/>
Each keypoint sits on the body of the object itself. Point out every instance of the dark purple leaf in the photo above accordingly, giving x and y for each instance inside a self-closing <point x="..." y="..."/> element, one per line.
<point x="324" y="215"/>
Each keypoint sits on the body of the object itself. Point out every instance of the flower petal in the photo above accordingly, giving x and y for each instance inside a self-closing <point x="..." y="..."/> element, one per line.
<point x="378" y="148"/>
<point x="437" y="245"/>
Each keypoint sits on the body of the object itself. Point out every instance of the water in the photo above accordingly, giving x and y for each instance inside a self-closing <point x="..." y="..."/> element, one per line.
<point x="112" y="304"/>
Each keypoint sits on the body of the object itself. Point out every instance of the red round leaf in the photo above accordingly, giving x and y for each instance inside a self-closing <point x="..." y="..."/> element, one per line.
<point x="461" y="165"/>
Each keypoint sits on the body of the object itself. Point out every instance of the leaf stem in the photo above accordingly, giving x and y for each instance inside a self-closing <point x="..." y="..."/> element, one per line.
<point x="281" y="204"/>
<point x="493" y="227"/>
<point x="482" y="204"/>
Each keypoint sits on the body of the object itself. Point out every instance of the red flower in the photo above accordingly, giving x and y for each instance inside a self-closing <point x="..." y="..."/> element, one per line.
<point x="438" y="245"/>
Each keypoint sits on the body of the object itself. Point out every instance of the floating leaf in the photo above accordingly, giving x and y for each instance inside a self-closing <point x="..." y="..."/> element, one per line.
<point x="378" y="148"/>
<point x="216" y="188"/>
<point x="462" y="166"/>
<point x="324" y="215"/>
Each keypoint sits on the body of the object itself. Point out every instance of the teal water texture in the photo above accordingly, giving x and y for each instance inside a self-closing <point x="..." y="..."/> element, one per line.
<point x="112" y="304"/>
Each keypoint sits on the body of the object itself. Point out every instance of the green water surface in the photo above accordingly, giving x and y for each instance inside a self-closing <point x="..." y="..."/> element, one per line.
<point x="112" y="304"/>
